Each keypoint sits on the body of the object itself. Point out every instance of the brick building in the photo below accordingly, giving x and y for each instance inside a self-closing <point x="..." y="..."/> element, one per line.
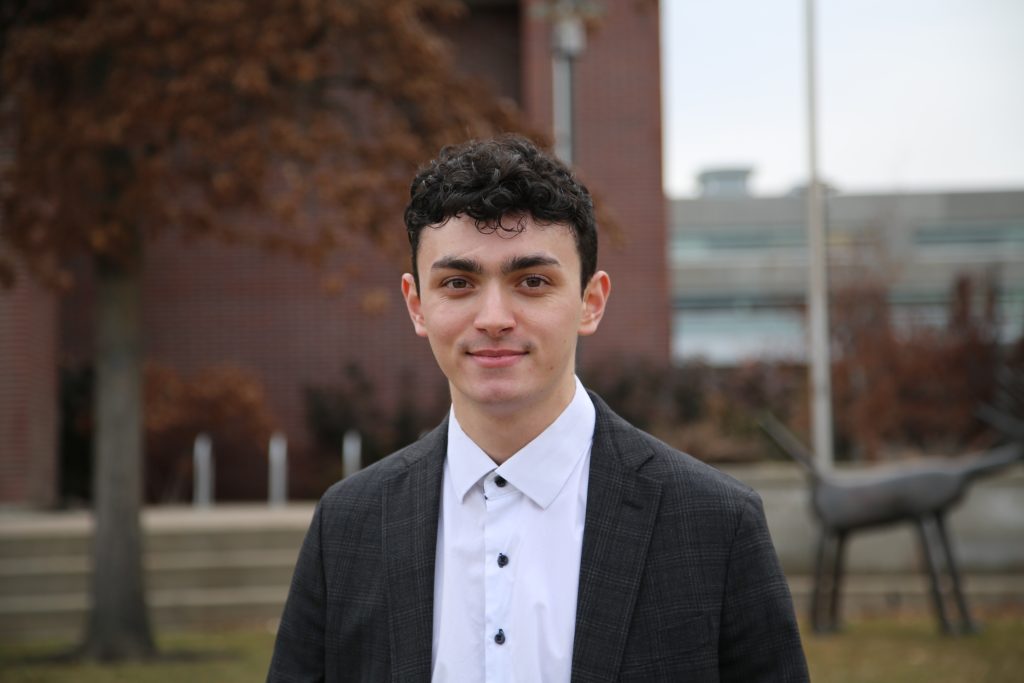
<point x="206" y="304"/>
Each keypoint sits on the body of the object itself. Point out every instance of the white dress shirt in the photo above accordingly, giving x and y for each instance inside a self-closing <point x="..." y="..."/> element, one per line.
<point x="509" y="541"/>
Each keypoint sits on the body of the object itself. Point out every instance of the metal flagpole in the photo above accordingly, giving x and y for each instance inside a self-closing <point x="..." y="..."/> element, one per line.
<point x="817" y="285"/>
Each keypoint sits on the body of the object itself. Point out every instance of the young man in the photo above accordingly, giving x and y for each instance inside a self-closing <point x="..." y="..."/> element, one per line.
<point x="534" y="535"/>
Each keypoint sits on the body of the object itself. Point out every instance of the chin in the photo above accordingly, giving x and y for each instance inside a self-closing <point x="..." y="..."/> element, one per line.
<point x="496" y="396"/>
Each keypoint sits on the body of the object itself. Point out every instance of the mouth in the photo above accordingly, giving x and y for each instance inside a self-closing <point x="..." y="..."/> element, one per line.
<point x="496" y="358"/>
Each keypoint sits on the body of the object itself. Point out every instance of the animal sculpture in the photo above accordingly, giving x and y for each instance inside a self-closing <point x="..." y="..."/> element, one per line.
<point x="920" y="493"/>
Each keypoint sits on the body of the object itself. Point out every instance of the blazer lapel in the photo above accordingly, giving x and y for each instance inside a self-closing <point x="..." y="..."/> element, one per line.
<point x="410" y="503"/>
<point x="622" y="507"/>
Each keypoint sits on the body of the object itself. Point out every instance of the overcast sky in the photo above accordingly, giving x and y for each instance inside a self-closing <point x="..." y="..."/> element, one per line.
<point x="913" y="94"/>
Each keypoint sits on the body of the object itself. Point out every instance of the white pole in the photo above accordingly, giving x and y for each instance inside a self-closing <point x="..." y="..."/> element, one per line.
<point x="351" y="453"/>
<point x="202" y="471"/>
<point x="277" y="489"/>
<point x="817" y="284"/>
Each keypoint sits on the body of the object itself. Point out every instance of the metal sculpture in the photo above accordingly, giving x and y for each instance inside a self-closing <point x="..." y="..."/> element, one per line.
<point x="921" y="493"/>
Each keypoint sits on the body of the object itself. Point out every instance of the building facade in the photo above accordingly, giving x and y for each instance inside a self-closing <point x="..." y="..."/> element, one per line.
<point x="739" y="263"/>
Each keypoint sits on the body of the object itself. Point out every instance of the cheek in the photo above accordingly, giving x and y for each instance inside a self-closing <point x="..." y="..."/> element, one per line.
<point x="443" y="326"/>
<point x="563" y="332"/>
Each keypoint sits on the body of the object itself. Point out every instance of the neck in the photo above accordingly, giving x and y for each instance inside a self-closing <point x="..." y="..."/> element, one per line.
<point x="502" y="431"/>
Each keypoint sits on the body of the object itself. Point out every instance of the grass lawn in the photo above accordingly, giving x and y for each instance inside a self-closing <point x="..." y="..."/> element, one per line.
<point x="905" y="650"/>
<point x="910" y="650"/>
<point x="193" y="657"/>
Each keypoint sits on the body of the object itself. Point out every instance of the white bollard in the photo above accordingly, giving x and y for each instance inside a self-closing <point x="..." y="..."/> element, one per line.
<point x="202" y="471"/>
<point x="351" y="453"/>
<point x="277" y="488"/>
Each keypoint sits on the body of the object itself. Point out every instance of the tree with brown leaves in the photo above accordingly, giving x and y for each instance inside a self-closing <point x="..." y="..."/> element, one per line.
<point x="289" y="124"/>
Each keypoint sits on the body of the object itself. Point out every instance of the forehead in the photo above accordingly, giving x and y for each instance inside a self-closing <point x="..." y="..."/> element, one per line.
<point x="460" y="236"/>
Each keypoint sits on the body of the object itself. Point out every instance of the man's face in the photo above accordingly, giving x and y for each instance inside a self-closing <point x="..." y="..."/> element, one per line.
<point x="502" y="314"/>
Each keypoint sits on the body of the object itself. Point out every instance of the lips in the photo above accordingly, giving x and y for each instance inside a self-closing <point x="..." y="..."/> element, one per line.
<point x="496" y="358"/>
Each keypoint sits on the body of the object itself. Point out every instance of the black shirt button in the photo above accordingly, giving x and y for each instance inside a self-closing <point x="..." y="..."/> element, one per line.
<point x="499" y="481"/>
<point x="502" y="559"/>
<point x="499" y="637"/>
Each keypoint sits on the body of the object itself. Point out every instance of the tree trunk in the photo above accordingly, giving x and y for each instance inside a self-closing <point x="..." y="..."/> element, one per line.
<point x="118" y="626"/>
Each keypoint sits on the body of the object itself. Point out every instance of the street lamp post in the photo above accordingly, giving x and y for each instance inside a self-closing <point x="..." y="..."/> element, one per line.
<point x="817" y="284"/>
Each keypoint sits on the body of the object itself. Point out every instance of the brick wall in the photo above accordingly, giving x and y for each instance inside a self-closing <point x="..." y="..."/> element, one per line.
<point x="28" y="394"/>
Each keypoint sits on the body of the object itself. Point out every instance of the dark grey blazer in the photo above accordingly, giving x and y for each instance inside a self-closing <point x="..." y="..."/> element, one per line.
<point x="679" y="580"/>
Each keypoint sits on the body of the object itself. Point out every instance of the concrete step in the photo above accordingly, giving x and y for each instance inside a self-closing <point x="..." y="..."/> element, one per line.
<point x="165" y="530"/>
<point x="63" y="574"/>
<point x="221" y="566"/>
<point x="63" y="616"/>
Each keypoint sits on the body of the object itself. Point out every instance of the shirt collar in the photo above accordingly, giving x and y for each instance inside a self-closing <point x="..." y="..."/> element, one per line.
<point x="539" y="469"/>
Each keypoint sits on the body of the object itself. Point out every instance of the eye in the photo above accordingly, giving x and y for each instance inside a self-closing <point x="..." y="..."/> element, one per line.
<point x="455" y="283"/>
<point x="534" y="281"/>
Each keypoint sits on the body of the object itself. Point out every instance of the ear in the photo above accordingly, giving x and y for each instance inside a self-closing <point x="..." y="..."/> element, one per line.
<point x="413" y="304"/>
<point x="595" y="297"/>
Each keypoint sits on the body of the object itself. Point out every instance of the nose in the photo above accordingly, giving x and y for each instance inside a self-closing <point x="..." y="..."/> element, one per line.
<point x="495" y="316"/>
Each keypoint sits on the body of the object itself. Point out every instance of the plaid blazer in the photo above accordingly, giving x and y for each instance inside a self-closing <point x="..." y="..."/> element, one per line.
<point x="679" y="580"/>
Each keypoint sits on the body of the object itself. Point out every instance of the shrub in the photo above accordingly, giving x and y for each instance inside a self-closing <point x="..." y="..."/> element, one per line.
<point x="226" y="402"/>
<point x="384" y="426"/>
<point x="913" y="386"/>
<point x="709" y="412"/>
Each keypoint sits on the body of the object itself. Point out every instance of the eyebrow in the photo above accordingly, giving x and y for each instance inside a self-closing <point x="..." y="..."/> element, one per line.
<point x="509" y="265"/>
<point x="515" y="263"/>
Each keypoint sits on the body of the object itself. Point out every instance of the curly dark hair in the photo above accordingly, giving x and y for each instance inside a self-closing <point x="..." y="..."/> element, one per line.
<point x="497" y="182"/>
